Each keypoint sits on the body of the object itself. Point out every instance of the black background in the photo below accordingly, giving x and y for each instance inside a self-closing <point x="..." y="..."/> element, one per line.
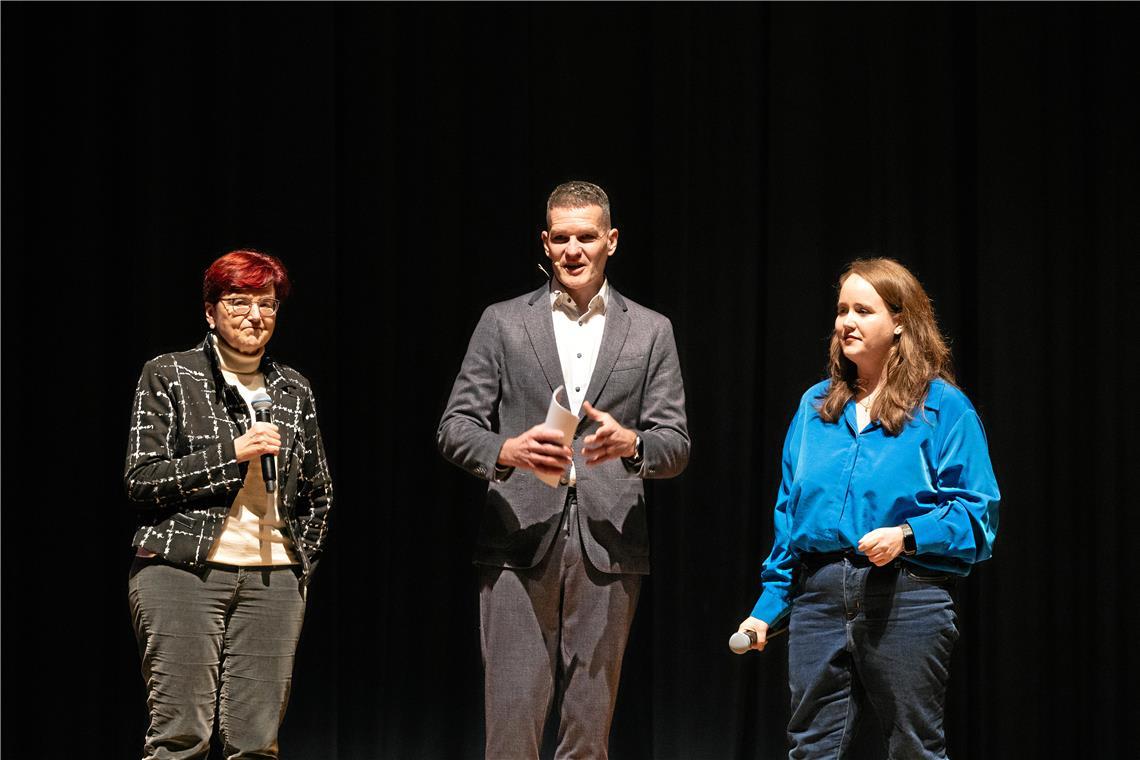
<point x="398" y="157"/>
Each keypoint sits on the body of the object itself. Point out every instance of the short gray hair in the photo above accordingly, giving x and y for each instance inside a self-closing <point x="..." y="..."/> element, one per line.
<point x="579" y="194"/>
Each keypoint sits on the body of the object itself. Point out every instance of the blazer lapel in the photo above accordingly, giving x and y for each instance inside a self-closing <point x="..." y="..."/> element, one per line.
<point x="540" y="329"/>
<point x="613" y="339"/>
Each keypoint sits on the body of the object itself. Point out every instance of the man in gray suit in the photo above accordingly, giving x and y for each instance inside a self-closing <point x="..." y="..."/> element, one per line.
<point x="560" y="568"/>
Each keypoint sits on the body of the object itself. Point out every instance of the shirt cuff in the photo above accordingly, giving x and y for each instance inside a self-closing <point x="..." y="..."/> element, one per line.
<point x="770" y="608"/>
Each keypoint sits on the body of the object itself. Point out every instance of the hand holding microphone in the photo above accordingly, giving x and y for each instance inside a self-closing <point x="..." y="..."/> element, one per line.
<point x="753" y="634"/>
<point x="262" y="439"/>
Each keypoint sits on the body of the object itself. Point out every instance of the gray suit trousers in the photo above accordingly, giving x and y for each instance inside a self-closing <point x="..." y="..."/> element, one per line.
<point x="556" y="631"/>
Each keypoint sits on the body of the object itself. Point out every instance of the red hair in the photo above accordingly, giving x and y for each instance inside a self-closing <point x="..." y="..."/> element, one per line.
<point x="244" y="270"/>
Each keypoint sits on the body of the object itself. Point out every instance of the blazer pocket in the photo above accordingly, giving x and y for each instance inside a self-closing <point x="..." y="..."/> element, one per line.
<point x="625" y="363"/>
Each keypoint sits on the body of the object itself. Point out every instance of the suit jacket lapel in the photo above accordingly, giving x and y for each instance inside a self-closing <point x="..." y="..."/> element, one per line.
<point x="540" y="330"/>
<point x="613" y="339"/>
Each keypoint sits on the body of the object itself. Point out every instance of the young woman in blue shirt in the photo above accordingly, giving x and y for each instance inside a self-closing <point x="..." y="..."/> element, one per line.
<point x="887" y="497"/>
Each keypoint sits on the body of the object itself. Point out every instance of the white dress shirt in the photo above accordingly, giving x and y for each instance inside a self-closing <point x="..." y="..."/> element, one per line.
<point x="578" y="337"/>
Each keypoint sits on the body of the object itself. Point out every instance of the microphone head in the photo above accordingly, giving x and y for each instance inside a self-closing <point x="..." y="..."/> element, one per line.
<point x="261" y="402"/>
<point x="740" y="642"/>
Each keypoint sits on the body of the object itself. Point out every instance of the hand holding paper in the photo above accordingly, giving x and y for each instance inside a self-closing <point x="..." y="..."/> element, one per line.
<point x="545" y="448"/>
<point x="558" y="417"/>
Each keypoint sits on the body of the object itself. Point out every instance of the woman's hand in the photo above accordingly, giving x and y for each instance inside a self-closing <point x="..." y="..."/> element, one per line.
<point x="882" y="545"/>
<point x="261" y="438"/>
<point x="760" y="628"/>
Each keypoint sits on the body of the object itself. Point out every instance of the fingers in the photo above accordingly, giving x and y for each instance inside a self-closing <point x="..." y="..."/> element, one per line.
<point x="545" y="434"/>
<point x="545" y="452"/>
<point x="599" y="454"/>
<point x="262" y="438"/>
<point x="757" y="628"/>
<point x="593" y="413"/>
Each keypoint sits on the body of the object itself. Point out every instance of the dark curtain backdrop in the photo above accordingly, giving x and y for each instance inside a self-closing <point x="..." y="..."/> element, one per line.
<point x="397" y="157"/>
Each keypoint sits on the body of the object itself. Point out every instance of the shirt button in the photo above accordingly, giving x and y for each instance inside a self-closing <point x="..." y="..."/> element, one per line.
<point x="576" y="389"/>
<point x="579" y="356"/>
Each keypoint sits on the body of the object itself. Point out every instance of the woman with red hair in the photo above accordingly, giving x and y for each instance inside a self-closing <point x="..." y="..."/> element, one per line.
<point x="887" y="498"/>
<point x="232" y="513"/>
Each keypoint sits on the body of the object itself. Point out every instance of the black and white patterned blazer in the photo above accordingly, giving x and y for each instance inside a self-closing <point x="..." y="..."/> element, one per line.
<point x="182" y="470"/>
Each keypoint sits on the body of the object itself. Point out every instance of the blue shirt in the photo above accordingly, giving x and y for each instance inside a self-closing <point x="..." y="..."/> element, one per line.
<point x="839" y="484"/>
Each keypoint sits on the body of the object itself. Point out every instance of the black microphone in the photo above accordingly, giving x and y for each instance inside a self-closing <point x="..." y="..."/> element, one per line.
<point x="261" y="404"/>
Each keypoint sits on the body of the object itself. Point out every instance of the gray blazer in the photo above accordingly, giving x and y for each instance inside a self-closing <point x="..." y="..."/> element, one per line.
<point x="504" y="388"/>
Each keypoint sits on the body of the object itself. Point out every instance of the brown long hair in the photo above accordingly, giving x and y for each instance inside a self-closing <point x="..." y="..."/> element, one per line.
<point x="919" y="353"/>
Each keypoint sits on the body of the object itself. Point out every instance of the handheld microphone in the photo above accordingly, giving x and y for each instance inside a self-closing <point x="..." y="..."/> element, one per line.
<point x="261" y="404"/>
<point x="741" y="641"/>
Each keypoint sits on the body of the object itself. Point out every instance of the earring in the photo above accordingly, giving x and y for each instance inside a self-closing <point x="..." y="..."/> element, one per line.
<point x="898" y="331"/>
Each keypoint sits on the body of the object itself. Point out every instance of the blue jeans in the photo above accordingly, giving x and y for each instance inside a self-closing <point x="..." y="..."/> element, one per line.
<point x="869" y="637"/>
<point x="221" y="640"/>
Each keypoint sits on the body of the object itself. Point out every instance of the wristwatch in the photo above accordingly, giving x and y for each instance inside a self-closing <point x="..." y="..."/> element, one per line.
<point x="636" y="458"/>
<point x="910" y="548"/>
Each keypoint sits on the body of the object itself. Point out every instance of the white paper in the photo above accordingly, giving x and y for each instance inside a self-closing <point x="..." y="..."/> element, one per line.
<point x="560" y="418"/>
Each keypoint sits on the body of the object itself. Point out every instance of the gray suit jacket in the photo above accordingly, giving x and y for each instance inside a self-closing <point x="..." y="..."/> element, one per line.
<point x="504" y="388"/>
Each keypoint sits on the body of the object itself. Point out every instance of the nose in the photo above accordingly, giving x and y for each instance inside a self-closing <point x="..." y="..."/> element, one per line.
<point x="573" y="247"/>
<point x="254" y="312"/>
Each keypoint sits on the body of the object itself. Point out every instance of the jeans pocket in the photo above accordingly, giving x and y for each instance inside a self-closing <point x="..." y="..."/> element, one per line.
<point x="923" y="575"/>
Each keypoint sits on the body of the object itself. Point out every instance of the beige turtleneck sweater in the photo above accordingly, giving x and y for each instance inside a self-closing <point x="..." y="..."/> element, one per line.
<point x="253" y="531"/>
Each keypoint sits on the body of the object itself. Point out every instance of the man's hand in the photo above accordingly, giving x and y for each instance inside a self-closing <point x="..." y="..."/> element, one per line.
<point x="760" y="628"/>
<point x="610" y="441"/>
<point x="539" y="449"/>
<point x="882" y="545"/>
<point x="261" y="438"/>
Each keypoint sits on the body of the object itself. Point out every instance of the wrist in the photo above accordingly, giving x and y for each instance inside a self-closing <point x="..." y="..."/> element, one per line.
<point x="506" y="454"/>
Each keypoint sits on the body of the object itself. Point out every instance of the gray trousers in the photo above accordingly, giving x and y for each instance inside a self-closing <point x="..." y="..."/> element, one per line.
<point x="557" y="630"/>
<point x="220" y="640"/>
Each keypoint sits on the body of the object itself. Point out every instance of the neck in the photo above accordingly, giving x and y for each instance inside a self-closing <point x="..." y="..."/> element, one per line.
<point x="870" y="380"/>
<point x="235" y="361"/>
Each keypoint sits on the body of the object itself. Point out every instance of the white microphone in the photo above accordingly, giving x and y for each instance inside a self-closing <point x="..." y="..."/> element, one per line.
<point x="741" y="641"/>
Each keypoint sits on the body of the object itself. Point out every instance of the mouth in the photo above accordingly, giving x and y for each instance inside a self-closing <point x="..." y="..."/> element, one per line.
<point x="573" y="268"/>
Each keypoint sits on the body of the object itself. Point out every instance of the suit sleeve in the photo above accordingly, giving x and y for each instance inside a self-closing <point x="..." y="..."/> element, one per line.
<point x="155" y="474"/>
<point x="662" y="424"/>
<point x="468" y="434"/>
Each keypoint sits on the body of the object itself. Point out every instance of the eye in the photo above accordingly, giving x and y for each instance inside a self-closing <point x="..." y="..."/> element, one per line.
<point x="241" y="303"/>
<point x="587" y="238"/>
<point x="560" y="239"/>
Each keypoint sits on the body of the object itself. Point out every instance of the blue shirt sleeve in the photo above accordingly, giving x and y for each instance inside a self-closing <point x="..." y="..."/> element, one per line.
<point x="775" y="599"/>
<point x="965" y="522"/>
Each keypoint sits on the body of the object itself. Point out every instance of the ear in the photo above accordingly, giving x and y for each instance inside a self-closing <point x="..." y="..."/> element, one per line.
<point x="612" y="240"/>
<point x="898" y="329"/>
<point x="546" y="244"/>
<point x="210" y="315"/>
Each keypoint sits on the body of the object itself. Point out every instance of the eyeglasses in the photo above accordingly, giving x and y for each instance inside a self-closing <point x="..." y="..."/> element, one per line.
<point x="239" y="307"/>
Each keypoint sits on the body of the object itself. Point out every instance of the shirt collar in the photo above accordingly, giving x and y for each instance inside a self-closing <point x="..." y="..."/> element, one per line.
<point x="560" y="299"/>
